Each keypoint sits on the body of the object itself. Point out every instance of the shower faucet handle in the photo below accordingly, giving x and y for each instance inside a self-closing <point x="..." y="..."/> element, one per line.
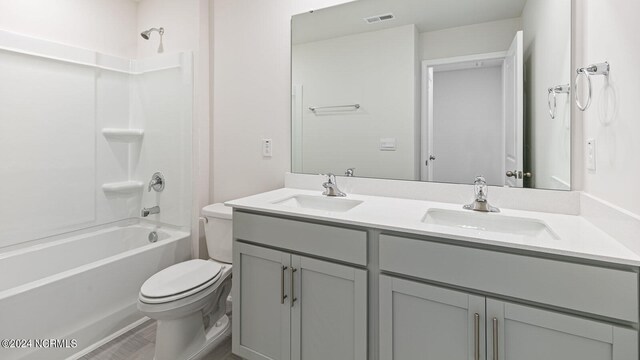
<point x="157" y="182"/>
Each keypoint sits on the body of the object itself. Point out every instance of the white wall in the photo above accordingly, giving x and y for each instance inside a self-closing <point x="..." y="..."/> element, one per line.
<point x="251" y="93"/>
<point x="300" y="6"/>
<point x="611" y="30"/>
<point x="469" y="40"/>
<point x="106" y="26"/>
<point x="376" y="70"/>
<point x="547" y="43"/>
<point x="251" y="75"/>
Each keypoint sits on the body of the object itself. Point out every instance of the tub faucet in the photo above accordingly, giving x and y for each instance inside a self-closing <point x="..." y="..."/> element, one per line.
<point x="480" y="203"/>
<point x="150" y="211"/>
<point x="331" y="186"/>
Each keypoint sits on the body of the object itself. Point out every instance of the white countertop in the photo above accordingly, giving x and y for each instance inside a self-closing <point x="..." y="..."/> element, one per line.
<point x="577" y="236"/>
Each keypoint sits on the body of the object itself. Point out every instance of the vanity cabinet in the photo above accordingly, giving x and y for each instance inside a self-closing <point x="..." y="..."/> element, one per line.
<point x="261" y="318"/>
<point x="527" y="333"/>
<point x="313" y="290"/>
<point x="296" y="307"/>
<point x="420" y="321"/>
<point x="443" y="319"/>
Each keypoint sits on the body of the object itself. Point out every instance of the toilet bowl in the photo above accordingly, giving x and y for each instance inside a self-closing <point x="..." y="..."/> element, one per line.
<point x="188" y="299"/>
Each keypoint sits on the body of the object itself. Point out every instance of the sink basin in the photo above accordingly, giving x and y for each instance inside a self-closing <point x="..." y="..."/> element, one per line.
<point x="488" y="222"/>
<point x="319" y="203"/>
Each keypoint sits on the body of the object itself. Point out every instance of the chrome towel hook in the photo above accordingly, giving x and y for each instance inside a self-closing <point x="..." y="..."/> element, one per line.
<point x="587" y="72"/>
<point x="558" y="89"/>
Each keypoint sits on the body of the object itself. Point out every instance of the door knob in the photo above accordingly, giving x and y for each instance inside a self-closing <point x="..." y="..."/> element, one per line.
<point x="518" y="174"/>
<point x="431" y="158"/>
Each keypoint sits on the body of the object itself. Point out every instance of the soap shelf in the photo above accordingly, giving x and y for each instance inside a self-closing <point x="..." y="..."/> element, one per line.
<point x="123" y="187"/>
<point x="123" y="135"/>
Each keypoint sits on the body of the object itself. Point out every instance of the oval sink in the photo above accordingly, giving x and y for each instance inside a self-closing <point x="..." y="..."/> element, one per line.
<point x="319" y="203"/>
<point x="489" y="222"/>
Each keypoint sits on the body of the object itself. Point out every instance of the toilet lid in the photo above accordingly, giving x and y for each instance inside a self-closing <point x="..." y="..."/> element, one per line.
<point x="180" y="278"/>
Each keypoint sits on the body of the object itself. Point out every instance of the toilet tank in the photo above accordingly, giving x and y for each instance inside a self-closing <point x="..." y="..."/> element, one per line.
<point x="217" y="228"/>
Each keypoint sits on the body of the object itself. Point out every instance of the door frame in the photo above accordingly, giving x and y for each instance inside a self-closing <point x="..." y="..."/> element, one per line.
<point x="297" y="128"/>
<point x="426" y="101"/>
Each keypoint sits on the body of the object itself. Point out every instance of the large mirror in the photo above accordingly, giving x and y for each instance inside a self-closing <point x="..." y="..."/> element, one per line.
<point x="435" y="90"/>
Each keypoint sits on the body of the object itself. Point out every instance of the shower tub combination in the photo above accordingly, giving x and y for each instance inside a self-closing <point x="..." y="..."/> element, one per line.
<point x="82" y="287"/>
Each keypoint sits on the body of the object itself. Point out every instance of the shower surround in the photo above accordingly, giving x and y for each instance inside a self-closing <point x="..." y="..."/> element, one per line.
<point x="81" y="134"/>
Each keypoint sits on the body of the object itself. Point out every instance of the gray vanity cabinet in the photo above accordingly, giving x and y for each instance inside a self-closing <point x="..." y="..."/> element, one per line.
<point x="329" y="318"/>
<point x="519" y="332"/>
<point x="301" y="292"/>
<point x="295" y="307"/>
<point x="261" y="318"/>
<point x="416" y="318"/>
<point x="419" y="321"/>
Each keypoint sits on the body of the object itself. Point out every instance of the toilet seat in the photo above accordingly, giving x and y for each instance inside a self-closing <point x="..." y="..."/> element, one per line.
<point x="180" y="281"/>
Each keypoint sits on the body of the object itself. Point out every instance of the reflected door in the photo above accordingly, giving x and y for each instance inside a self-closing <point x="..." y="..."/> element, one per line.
<point x="514" y="113"/>
<point x="465" y="120"/>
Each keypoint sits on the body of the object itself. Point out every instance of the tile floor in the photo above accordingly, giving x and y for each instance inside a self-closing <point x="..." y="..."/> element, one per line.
<point x="138" y="344"/>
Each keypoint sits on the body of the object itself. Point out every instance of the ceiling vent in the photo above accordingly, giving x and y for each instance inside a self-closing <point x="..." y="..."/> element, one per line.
<point x="379" y="18"/>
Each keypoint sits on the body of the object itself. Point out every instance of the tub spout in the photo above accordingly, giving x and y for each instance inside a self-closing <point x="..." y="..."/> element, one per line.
<point x="150" y="211"/>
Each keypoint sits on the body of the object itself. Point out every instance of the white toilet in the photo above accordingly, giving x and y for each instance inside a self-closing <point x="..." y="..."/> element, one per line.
<point x="188" y="299"/>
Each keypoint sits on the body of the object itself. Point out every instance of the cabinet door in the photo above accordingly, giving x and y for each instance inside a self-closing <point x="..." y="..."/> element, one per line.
<point x="329" y="314"/>
<point x="261" y="309"/>
<point x="419" y="321"/>
<point x="517" y="332"/>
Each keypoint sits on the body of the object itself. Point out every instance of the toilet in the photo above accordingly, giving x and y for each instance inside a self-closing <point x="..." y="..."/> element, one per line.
<point x="188" y="299"/>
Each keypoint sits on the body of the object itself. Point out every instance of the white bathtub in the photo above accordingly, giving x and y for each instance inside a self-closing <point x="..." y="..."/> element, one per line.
<point x="82" y="287"/>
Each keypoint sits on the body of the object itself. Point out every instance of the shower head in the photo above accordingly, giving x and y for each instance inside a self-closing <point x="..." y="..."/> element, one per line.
<point x="147" y="34"/>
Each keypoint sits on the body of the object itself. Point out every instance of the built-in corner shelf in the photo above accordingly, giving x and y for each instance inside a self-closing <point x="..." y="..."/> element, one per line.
<point x="123" y="135"/>
<point x="123" y="187"/>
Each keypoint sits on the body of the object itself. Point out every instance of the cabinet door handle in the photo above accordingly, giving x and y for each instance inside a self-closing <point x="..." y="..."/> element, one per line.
<point x="282" y="295"/>
<point x="476" y="334"/>
<point x="293" y="296"/>
<point x="495" y="338"/>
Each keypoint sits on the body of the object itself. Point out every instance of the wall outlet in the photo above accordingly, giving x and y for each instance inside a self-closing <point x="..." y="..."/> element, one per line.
<point x="591" y="154"/>
<point x="267" y="147"/>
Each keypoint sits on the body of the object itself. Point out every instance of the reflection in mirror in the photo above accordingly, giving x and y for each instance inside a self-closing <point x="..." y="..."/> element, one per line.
<point x="432" y="91"/>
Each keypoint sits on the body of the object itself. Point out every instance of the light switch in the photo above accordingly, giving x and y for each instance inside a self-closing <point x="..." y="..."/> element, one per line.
<point x="387" y="144"/>
<point x="267" y="147"/>
<point x="591" y="154"/>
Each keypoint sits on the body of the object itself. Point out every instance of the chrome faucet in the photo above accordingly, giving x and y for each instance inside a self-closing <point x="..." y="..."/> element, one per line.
<point x="481" y="191"/>
<point x="350" y="172"/>
<point x="150" y="211"/>
<point x="156" y="183"/>
<point x="331" y="186"/>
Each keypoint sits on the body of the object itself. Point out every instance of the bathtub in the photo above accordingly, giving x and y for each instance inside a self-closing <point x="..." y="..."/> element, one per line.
<point x="81" y="288"/>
